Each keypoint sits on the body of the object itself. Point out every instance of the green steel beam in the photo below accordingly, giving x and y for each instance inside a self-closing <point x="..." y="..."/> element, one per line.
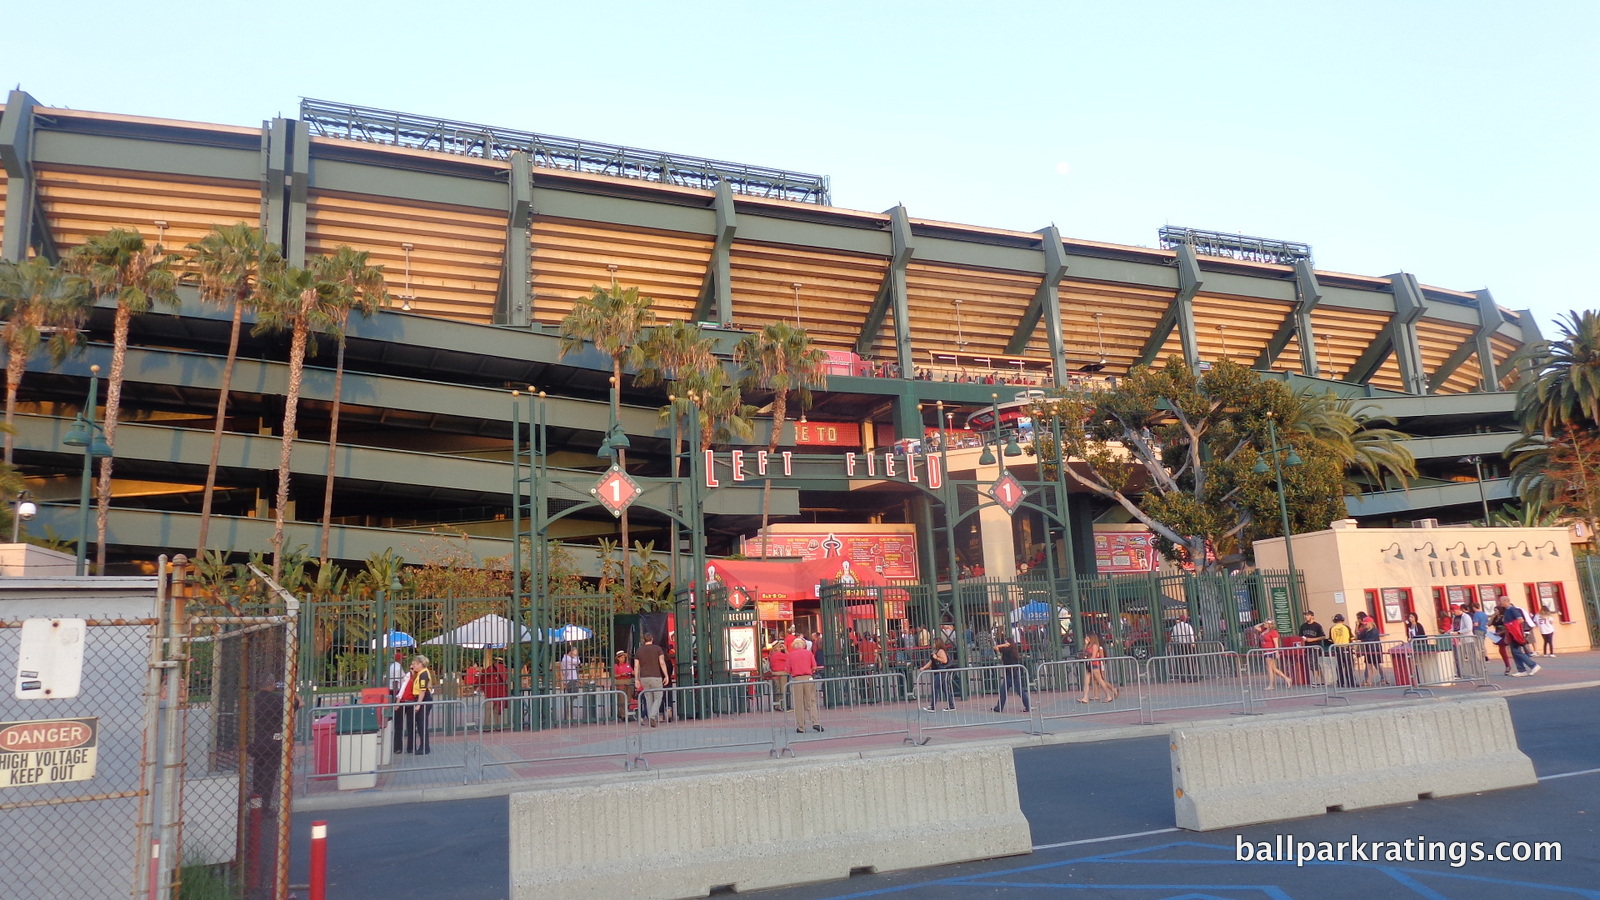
<point x="16" y="155"/>
<point x="1408" y="308"/>
<point x="716" y="289"/>
<point x="517" y="290"/>
<point x="1489" y="321"/>
<point x="1046" y="306"/>
<point x="1179" y="313"/>
<point x="1308" y="293"/>
<point x="892" y="293"/>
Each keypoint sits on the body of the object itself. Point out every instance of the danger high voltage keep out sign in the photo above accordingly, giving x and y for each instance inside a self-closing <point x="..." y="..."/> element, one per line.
<point x="48" y="751"/>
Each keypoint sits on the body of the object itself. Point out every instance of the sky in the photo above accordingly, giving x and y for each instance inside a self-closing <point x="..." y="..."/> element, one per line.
<point x="1453" y="139"/>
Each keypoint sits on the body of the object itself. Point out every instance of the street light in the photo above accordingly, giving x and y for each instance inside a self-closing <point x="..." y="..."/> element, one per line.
<point x="22" y="508"/>
<point x="1293" y="459"/>
<point x="1011" y="446"/>
<point x="1477" y="464"/>
<point x="87" y="433"/>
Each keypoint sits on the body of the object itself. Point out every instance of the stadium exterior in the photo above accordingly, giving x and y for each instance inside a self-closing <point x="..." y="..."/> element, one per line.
<point x="488" y="238"/>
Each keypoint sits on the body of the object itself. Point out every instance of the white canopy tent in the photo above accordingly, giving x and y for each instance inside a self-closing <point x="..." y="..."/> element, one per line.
<point x="485" y="632"/>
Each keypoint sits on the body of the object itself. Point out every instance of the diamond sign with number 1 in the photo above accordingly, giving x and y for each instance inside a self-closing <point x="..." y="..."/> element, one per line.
<point x="1008" y="492"/>
<point x="616" y="491"/>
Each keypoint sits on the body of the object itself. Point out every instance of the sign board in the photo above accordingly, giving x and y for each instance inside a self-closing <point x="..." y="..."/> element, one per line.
<point x="775" y="610"/>
<point x="1124" y="552"/>
<point x="616" y="490"/>
<point x="1280" y="608"/>
<point x="50" y="659"/>
<point x="889" y="552"/>
<point x="827" y="434"/>
<point x="1008" y="492"/>
<point x="741" y="647"/>
<point x="48" y="751"/>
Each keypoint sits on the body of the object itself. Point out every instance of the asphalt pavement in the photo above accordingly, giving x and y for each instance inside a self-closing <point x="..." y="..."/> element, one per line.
<point x="1101" y="818"/>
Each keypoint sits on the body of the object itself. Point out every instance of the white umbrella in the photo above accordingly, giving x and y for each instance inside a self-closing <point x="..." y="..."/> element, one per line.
<point x="485" y="632"/>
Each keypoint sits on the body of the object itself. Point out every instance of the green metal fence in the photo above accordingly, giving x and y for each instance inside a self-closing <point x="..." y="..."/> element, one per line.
<point x="1589" y="585"/>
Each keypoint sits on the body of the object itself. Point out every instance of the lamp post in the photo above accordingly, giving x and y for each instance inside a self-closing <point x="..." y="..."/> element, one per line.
<point x="1011" y="448"/>
<point x="87" y="433"/>
<point x="1293" y="459"/>
<point x="1066" y="516"/>
<point x="1483" y="498"/>
<point x="23" y="508"/>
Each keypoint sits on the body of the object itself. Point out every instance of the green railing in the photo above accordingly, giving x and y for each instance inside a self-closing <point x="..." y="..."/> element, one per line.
<point x="1589" y="585"/>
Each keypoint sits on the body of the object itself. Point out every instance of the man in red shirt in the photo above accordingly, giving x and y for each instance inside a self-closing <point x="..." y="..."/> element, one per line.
<point x="778" y="662"/>
<point x="802" y="665"/>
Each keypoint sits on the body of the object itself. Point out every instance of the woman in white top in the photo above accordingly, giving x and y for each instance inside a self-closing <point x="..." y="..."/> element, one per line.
<point x="1547" y="631"/>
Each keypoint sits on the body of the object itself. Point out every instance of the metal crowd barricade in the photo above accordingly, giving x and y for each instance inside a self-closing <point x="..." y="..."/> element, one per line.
<point x="1068" y="688"/>
<point x="1368" y="666"/>
<point x="1193" y="681"/>
<point x="355" y="744"/>
<point x="1444" y="659"/>
<point x="853" y="706"/>
<point x="539" y="729"/>
<point x="965" y="697"/>
<point x="1281" y="673"/>
<point x="709" y="717"/>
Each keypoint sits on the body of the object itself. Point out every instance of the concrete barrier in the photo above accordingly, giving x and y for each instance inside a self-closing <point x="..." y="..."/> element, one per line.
<point x="790" y="823"/>
<point x="1266" y="770"/>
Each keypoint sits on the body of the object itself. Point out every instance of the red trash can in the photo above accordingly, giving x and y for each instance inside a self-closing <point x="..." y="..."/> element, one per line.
<point x="325" y="744"/>
<point x="1400" y="661"/>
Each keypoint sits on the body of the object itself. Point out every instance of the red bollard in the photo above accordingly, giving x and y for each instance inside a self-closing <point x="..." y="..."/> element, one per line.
<point x="155" y="869"/>
<point x="319" y="860"/>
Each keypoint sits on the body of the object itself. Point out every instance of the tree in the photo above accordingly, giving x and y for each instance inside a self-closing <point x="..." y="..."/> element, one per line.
<point x="298" y="301"/>
<point x="723" y="414"/>
<point x="1177" y="450"/>
<point x="1559" y="474"/>
<point x="1562" y="384"/>
<point x="229" y="261"/>
<point x="363" y="291"/>
<point x="614" y="319"/>
<point x="119" y="264"/>
<point x="1373" y="453"/>
<point x="780" y="358"/>
<point x="37" y="297"/>
<point x="670" y="352"/>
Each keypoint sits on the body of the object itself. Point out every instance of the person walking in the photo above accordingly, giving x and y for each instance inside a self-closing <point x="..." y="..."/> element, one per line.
<point x="1518" y="637"/>
<point x="1183" y="638"/>
<point x="937" y="663"/>
<point x="802" y="667"/>
<point x="1267" y="636"/>
<point x="1094" y="680"/>
<point x="1012" y="676"/>
<point x="650" y="678"/>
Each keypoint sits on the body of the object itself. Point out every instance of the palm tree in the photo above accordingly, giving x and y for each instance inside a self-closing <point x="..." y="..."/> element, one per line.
<point x="724" y="416"/>
<point x="670" y="352"/>
<point x="780" y="358"/>
<point x="121" y="265"/>
<point x="1562" y="385"/>
<point x="613" y="319"/>
<point x="364" y="291"/>
<point x="1357" y="437"/>
<point x="37" y="297"/>
<point x="296" y="300"/>
<point x="230" y="262"/>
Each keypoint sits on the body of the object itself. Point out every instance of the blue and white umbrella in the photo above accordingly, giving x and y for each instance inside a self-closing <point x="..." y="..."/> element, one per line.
<point x="396" y="639"/>
<point x="568" y="634"/>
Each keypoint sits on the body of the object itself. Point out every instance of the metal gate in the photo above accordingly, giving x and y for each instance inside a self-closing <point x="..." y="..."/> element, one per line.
<point x="237" y="755"/>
